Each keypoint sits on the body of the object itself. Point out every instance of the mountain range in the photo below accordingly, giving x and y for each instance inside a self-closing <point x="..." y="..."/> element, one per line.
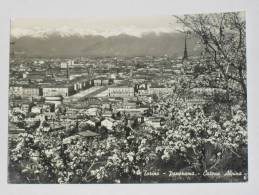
<point x="57" y="45"/>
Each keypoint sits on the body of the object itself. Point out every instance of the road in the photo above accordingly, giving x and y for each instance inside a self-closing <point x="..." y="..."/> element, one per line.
<point x="86" y="92"/>
<point x="95" y="93"/>
<point x="91" y="92"/>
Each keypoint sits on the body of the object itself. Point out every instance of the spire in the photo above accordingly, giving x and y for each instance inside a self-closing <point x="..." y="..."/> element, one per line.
<point x="185" y="54"/>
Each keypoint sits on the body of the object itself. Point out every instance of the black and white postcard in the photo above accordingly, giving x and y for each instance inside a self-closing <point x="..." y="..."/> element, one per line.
<point x="159" y="99"/>
<point x="107" y="97"/>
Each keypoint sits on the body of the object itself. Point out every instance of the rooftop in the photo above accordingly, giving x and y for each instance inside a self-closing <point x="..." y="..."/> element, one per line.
<point x="88" y="133"/>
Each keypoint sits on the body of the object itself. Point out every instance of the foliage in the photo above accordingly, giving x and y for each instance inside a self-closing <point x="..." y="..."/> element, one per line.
<point x="190" y="138"/>
<point x="222" y="37"/>
<point x="201" y="141"/>
<point x="189" y="141"/>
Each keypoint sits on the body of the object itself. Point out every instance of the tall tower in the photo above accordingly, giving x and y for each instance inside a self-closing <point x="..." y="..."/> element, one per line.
<point x="185" y="54"/>
<point x="12" y="53"/>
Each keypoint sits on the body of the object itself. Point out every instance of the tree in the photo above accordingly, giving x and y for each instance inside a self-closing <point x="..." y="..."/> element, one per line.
<point x="222" y="38"/>
<point x="52" y="157"/>
<point x="202" y="144"/>
<point x="127" y="159"/>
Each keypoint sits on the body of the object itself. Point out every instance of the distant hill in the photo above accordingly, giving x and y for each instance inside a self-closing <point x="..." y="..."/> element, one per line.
<point x="55" y="45"/>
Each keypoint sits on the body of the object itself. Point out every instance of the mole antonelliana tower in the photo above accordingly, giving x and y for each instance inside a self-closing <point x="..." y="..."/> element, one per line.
<point x="185" y="54"/>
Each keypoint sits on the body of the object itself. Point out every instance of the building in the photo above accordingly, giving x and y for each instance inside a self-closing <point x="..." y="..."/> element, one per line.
<point x="88" y="135"/>
<point x="63" y="65"/>
<point x="129" y="105"/>
<point x="121" y="91"/>
<point x="92" y="112"/>
<point x="107" y="114"/>
<point x="58" y="89"/>
<point x="14" y="131"/>
<point x="159" y="90"/>
<point x="35" y="76"/>
<point x="48" y="107"/>
<point x="132" y="111"/>
<point x="56" y="100"/>
<point x="31" y="91"/>
<point x="153" y="121"/>
<point x="197" y="101"/>
<point x="97" y="82"/>
<point x="102" y="81"/>
<point x="36" y="109"/>
<point x="15" y="90"/>
<point x="108" y="123"/>
<point x="118" y="80"/>
<point x="105" y="82"/>
<point x="25" y="91"/>
<point x="25" y="108"/>
<point x="142" y="88"/>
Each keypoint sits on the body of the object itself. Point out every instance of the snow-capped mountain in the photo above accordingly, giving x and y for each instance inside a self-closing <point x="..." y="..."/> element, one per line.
<point x="65" y="31"/>
<point x="69" y="44"/>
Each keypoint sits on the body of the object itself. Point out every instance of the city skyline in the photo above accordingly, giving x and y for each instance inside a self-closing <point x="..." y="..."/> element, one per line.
<point x="146" y="117"/>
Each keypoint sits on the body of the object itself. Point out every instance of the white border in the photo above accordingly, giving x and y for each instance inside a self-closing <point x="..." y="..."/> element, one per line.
<point x="81" y="8"/>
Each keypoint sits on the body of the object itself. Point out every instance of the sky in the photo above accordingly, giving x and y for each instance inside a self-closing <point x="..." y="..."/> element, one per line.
<point x="104" y="26"/>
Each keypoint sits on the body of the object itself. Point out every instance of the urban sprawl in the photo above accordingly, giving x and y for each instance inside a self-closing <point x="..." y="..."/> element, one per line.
<point x="140" y="119"/>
